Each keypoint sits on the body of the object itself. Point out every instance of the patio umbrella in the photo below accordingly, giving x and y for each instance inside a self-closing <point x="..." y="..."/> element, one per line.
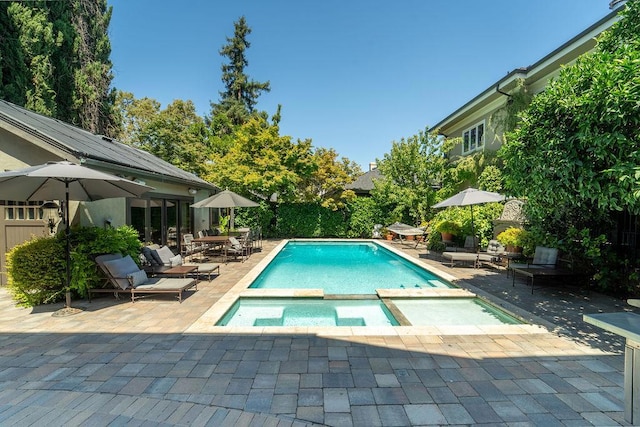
<point x="65" y="181"/>
<point x="226" y="199"/>
<point x="470" y="197"/>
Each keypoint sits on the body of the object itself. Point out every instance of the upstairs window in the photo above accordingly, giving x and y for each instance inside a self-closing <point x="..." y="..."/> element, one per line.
<point x="473" y="138"/>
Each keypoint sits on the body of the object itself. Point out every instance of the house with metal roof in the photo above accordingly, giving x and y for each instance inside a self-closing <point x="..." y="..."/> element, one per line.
<point x="472" y="121"/>
<point x="162" y="216"/>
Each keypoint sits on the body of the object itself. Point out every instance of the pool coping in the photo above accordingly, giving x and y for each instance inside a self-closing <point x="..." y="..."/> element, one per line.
<point x="206" y="322"/>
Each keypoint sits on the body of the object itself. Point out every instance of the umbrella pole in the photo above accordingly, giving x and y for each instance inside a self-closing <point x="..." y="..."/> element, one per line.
<point x="473" y="231"/>
<point x="68" y="255"/>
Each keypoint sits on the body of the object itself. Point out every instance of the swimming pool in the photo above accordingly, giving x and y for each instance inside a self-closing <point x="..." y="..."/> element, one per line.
<point x="340" y="267"/>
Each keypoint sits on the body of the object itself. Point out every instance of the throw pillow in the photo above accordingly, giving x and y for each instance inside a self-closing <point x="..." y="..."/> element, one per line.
<point x="137" y="278"/>
<point x="175" y="261"/>
<point x="165" y="255"/>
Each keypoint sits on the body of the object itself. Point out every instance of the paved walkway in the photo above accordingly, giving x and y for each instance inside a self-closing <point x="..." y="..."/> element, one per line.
<point x="119" y="363"/>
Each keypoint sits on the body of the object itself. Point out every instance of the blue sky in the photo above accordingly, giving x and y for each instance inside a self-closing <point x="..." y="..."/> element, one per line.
<point x="350" y="75"/>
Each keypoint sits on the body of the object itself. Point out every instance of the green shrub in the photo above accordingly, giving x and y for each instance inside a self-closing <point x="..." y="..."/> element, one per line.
<point x="260" y="216"/>
<point x="513" y="236"/>
<point x="36" y="271"/>
<point x="448" y="227"/>
<point x="364" y="215"/>
<point x="89" y="242"/>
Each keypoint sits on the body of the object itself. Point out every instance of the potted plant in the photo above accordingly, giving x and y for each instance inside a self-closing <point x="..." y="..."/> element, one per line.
<point x="513" y="238"/>
<point x="386" y="234"/>
<point x="448" y="229"/>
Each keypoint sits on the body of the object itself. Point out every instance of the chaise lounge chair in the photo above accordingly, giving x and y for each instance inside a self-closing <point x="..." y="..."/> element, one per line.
<point x="126" y="277"/>
<point x="542" y="258"/>
<point x="466" y="254"/>
<point x="162" y="258"/>
<point x="494" y="252"/>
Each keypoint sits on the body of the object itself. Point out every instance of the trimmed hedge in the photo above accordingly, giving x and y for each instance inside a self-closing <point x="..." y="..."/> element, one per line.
<point x="36" y="271"/>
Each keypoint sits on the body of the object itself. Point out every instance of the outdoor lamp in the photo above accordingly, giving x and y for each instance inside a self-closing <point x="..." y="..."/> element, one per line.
<point x="193" y="191"/>
<point x="51" y="214"/>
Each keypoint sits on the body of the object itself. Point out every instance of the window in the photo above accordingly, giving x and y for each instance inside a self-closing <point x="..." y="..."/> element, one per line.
<point x="473" y="138"/>
<point x="22" y="210"/>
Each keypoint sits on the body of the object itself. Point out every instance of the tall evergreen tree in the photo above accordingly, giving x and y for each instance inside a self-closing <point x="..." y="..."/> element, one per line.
<point x="54" y="59"/>
<point x="241" y="93"/>
<point x="93" y="101"/>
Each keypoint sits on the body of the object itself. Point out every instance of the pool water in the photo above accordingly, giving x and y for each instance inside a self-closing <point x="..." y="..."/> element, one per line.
<point x="307" y="312"/>
<point x="343" y="268"/>
<point x="452" y="311"/>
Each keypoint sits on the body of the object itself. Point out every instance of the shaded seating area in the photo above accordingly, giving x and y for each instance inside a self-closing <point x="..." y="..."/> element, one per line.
<point x="124" y="276"/>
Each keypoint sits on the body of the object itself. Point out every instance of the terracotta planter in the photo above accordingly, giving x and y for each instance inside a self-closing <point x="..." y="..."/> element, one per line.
<point x="410" y="237"/>
<point x="389" y="236"/>
<point x="447" y="237"/>
<point x="514" y="249"/>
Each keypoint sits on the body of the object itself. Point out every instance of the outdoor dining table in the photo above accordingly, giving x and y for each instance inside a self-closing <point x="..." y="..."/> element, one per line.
<point x="212" y="242"/>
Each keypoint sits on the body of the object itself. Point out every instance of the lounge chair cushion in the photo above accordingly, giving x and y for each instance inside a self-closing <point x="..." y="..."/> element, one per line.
<point x="545" y="256"/>
<point x="164" y="255"/>
<point x="148" y="256"/>
<point x="120" y="269"/>
<point x="175" y="260"/>
<point x="137" y="278"/>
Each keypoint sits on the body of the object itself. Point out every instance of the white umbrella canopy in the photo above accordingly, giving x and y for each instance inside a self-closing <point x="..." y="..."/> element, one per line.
<point x="65" y="181"/>
<point x="470" y="197"/>
<point x="225" y="199"/>
<point x="54" y="180"/>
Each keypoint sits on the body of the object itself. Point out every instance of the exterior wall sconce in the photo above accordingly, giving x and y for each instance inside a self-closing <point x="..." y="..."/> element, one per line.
<point x="52" y="214"/>
<point x="193" y="191"/>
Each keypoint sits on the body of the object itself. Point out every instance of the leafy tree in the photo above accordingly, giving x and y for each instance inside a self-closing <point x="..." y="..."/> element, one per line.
<point x="576" y="152"/>
<point x="326" y="183"/>
<point x="411" y="173"/>
<point x="241" y="93"/>
<point x="176" y="134"/>
<point x="134" y="116"/>
<point x="262" y="162"/>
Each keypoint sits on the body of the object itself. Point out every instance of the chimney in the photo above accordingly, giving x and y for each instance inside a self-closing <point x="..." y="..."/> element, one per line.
<point x="372" y="166"/>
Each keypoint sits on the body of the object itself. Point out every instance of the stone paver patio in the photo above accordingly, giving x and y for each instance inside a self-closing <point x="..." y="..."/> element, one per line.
<point x="119" y="363"/>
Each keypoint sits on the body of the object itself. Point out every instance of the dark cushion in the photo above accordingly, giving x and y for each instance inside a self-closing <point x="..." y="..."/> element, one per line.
<point x="156" y="257"/>
<point x="148" y="256"/>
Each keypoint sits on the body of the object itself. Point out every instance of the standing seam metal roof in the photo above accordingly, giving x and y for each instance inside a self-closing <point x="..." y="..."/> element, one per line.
<point x="83" y="144"/>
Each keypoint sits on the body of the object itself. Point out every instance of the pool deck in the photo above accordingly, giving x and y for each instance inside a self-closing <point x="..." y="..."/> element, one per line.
<point x="155" y="362"/>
